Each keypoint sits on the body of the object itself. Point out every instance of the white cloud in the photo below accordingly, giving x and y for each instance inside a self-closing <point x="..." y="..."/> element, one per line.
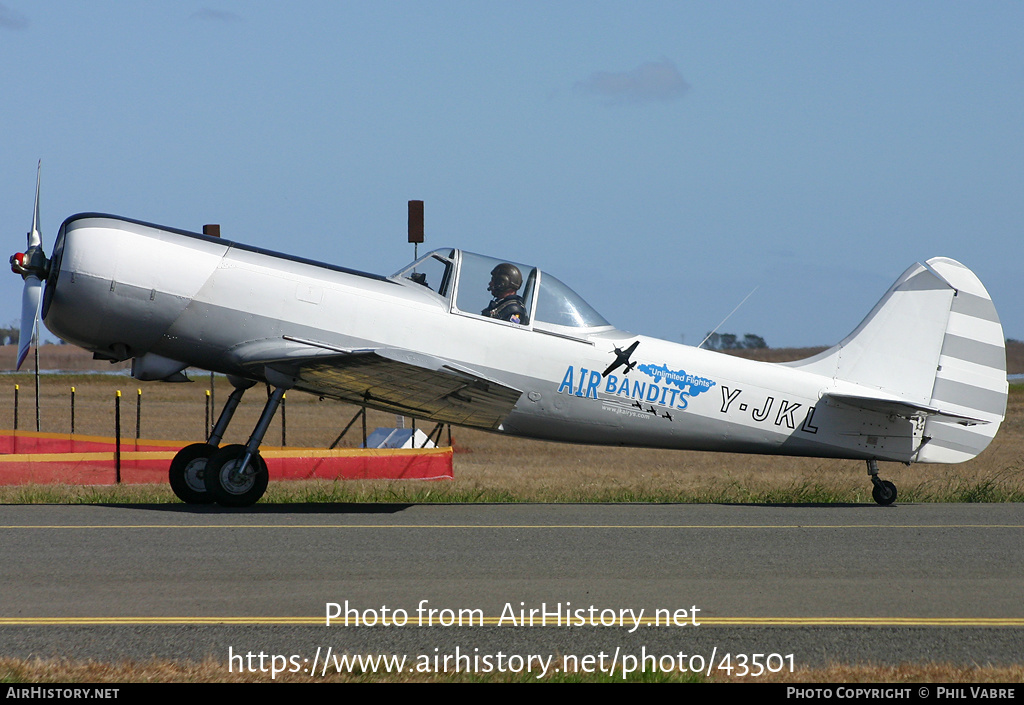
<point x="651" y="82"/>
<point x="12" y="19"/>
<point x="208" y="15"/>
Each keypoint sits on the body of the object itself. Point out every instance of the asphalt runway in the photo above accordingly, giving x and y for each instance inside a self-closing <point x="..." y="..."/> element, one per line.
<point x="835" y="583"/>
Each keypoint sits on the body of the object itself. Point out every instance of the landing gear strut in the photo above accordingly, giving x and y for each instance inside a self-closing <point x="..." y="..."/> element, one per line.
<point x="884" y="492"/>
<point x="236" y="475"/>
<point x="232" y="476"/>
<point x="188" y="469"/>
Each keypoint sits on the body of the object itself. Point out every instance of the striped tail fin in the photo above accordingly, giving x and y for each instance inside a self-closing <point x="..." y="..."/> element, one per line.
<point x="934" y="340"/>
<point x="971" y="374"/>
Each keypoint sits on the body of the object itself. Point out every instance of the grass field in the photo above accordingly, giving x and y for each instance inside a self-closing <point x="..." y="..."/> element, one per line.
<point x="211" y="671"/>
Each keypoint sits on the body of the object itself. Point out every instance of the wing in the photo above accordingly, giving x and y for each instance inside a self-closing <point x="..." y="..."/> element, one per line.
<point x="391" y="379"/>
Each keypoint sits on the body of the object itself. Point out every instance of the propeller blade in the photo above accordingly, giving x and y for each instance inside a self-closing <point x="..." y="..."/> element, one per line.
<point x="29" y="315"/>
<point x="35" y="238"/>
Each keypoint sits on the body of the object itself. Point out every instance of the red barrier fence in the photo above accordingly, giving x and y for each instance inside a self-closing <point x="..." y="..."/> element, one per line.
<point x="48" y="458"/>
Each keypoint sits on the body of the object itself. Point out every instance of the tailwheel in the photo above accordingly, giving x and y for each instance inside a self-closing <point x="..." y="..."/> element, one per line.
<point x="187" y="473"/>
<point x="884" y="492"/>
<point x="232" y="485"/>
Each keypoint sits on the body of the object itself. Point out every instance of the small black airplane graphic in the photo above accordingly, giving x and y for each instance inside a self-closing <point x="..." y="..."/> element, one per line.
<point x="622" y="358"/>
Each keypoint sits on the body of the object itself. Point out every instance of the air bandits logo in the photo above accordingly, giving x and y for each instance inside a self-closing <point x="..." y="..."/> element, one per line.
<point x="663" y="386"/>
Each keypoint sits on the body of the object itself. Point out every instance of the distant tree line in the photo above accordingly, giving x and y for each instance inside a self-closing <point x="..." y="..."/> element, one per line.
<point x="9" y="335"/>
<point x="731" y="341"/>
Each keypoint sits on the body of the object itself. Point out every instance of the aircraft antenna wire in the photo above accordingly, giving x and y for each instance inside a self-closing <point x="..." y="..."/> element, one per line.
<point x="715" y="329"/>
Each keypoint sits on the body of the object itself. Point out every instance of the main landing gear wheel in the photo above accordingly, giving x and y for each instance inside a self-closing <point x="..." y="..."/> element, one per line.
<point x="228" y="486"/>
<point x="187" y="473"/>
<point x="884" y="492"/>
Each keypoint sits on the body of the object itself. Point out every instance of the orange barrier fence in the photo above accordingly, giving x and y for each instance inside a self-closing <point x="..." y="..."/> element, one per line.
<point x="48" y="458"/>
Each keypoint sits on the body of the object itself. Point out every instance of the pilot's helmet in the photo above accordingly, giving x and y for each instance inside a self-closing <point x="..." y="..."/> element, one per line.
<point x="505" y="277"/>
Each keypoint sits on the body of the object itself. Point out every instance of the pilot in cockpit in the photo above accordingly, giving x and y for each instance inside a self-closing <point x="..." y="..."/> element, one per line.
<point x="507" y="304"/>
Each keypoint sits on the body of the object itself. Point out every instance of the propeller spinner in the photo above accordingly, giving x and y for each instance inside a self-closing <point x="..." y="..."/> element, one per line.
<point x="33" y="267"/>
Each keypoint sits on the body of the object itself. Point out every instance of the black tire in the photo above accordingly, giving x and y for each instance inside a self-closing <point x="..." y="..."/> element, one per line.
<point x="230" y="491"/>
<point x="187" y="472"/>
<point x="884" y="493"/>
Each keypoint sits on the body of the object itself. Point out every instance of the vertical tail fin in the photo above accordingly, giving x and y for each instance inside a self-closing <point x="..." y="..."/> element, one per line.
<point x="933" y="339"/>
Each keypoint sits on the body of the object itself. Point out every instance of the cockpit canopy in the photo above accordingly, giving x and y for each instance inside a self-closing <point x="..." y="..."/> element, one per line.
<point x="463" y="278"/>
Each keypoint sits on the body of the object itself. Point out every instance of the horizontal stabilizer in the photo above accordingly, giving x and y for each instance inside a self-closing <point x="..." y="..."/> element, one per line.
<point x="902" y="408"/>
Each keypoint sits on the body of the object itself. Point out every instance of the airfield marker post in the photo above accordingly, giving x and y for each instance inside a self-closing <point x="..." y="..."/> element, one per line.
<point x="138" y="415"/>
<point x="117" y="438"/>
<point x="284" y="423"/>
<point x="212" y="392"/>
<point x="15" y="407"/>
<point x="35" y="342"/>
<point x="207" y="429"/>
<point x="72" y="411"/>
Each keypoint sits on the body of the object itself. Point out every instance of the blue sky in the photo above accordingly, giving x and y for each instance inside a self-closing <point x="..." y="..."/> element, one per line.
<point x="662" y="159"/>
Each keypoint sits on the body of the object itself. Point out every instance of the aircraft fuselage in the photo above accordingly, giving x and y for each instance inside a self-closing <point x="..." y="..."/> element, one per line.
<point x="172" y="299"/>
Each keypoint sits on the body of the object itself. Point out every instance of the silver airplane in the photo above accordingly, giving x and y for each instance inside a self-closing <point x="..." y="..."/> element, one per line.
<point x="921" y="379"/>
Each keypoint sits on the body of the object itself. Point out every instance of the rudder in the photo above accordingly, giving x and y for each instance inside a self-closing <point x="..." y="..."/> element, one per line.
<point x="971" y="374"/>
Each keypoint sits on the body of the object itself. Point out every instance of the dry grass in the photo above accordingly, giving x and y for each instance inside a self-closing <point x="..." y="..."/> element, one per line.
<point x="69" y="671"/>
<point x="58" y="357"/>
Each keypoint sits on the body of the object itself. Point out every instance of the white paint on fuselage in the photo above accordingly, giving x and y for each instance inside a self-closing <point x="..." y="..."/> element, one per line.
<point x="233" y="296"/>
